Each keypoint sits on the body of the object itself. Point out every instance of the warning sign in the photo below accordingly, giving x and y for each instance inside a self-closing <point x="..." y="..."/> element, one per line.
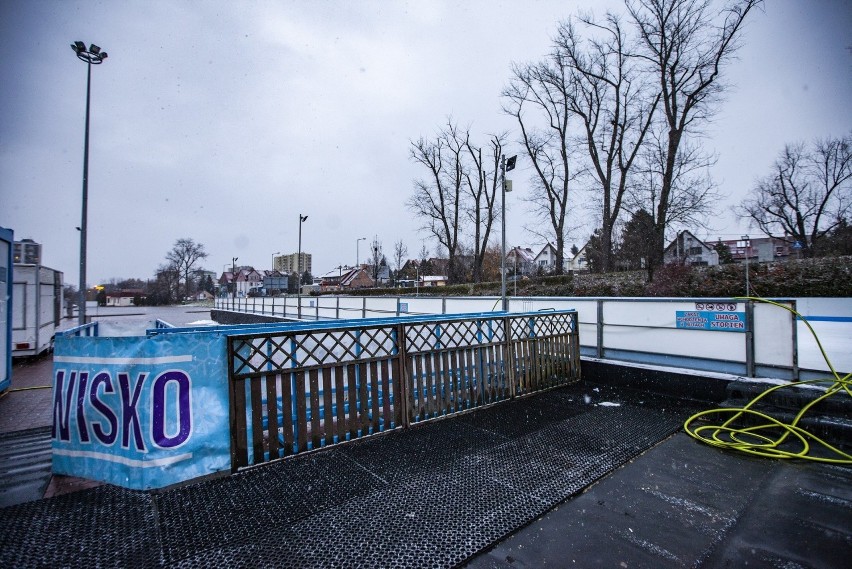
<point x="711" y="320"/>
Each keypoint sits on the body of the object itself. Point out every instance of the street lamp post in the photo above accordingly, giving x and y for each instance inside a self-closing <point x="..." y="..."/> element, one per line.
<point x="746" y="246"/>
<point x="234" y="276"/>
<point x="358" y="250"/>
<point x="92" y="56"/>
<point x="505" y="166"/>
<point x="273" y="259"/>
<point x="302" y="219"/>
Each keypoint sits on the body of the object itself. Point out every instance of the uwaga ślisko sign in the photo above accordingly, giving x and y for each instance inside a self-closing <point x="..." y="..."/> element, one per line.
<point x="714" y="316"/>
<point x="140" y="412"/>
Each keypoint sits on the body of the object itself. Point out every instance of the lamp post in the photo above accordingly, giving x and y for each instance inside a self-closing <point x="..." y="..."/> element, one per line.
<point x="505" y="166"/>
<point x="376" y="262"/>
<point x="273" y="259"/>
<point x="302" y="219"/>
<point x="747" y="246"/>
<point x="92" y="56"/>
<point x="358" y="250"/>
<point x="234" y="276"/>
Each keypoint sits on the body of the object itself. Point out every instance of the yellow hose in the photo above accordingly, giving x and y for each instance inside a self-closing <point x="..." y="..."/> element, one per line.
<point x="765" y="439"/>
<point x="8" y="391"/>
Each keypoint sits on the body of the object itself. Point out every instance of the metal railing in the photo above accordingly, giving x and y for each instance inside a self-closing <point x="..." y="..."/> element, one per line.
<point x="89" y="329"/>
<point x="300" y="389"/>
<point x="637" y="330"/>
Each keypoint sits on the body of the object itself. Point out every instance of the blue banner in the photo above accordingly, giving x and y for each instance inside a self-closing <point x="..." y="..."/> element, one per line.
<point x="711" y="320"/>
<point x="141" y="412"/>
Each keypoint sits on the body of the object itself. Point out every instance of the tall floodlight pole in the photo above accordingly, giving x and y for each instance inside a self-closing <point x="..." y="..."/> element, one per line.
<point x="746" y="246"/>
<point x="358" y="251"/>
<point x="505" y="166"/>
<point x="302" y="219"/>
<point x="92" y="56"/>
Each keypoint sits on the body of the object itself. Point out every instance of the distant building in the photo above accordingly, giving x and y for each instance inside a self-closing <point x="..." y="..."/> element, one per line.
<point x="246" y="280"/>
<point x="580" y="261"/>
<point x="346" y="278"/>
<point x="126" y="297"/>
<point x="26" y="252"/>
<point x="275" y="281"/>
<point x="433" y="280"/>
<point x="687" y="249"/>
<point x="761" y="249"/>
<point x="520" y="260"/>
<point x="290" y="263"/>
<point x="545" y="261"/>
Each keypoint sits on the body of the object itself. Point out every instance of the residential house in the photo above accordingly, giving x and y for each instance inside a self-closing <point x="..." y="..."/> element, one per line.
<point x="579" y="262"/>
<point x="545" y="261"/>
<point x="687" y="249"/>
<point x="346" y="278"/>
<point x="246" y="280"/>
<point x="520" y="260"/>
<point x="414" y="268"/>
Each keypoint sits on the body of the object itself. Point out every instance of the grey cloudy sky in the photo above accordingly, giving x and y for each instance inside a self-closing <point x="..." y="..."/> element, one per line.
<point x="222" y="121"/>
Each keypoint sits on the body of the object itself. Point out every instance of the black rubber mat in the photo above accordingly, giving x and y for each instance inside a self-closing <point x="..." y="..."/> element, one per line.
<point x="430" y="496"/>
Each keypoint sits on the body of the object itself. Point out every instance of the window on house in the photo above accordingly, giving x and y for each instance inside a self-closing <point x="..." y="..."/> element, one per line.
<point x="694" y="251"/>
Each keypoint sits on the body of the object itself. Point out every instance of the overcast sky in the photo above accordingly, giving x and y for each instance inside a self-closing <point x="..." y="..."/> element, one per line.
<point x="223" y="121"/>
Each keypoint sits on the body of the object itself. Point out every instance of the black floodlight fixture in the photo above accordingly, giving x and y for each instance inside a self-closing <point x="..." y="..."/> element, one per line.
<point x="93" y="55"/>
<point x="510" y="163"/>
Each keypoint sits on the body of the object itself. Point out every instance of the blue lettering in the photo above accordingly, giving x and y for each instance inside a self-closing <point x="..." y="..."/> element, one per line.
<point x="159" y="411"/>
<point x="129" y="411"/>
<point x="61" y="413"/>
<point x="83" y="379"/>
<point x="104" y="437"/>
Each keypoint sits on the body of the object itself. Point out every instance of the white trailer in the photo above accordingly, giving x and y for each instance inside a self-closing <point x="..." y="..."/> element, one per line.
<point x="36" y="308"/>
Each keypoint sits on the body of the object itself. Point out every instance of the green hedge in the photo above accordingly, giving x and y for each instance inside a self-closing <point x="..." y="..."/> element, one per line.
<point x="825" y="276"/>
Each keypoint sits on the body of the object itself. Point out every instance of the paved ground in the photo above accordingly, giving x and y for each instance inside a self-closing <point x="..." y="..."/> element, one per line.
<point x="553" y="480"/>
<point x="27" y="405"/>
<point x="25" y="419"/>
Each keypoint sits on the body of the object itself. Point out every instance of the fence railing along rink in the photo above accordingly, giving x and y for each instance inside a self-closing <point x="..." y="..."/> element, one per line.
<point x="306" y="388"/>
<point x="638" y="330"/>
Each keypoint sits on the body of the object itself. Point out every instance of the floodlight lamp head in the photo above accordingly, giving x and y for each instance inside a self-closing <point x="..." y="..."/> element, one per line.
<point x="78" y="46"/>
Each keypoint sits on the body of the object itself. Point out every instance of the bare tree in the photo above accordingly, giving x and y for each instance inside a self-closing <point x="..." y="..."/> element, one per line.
<point x="166" y="287"/>
<point x="400" y="251"/>
<point x="546" y="88"/>
<point x="438" y="200"/>
<point x="685" y="43"/>
<point x="183" y="258"/>
<point x="807" y="195"/>
<point x="377" y="257"/>
<point x="482" y="186"/>
<point x="615" y="104"/>
<point x="692" y="194"/>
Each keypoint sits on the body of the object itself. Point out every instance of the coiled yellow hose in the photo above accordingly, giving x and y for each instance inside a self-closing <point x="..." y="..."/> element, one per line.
<point x="766" y="438"/>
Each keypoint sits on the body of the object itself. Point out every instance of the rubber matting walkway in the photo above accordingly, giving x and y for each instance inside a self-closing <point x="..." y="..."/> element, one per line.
<point x="430" y="496"/>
